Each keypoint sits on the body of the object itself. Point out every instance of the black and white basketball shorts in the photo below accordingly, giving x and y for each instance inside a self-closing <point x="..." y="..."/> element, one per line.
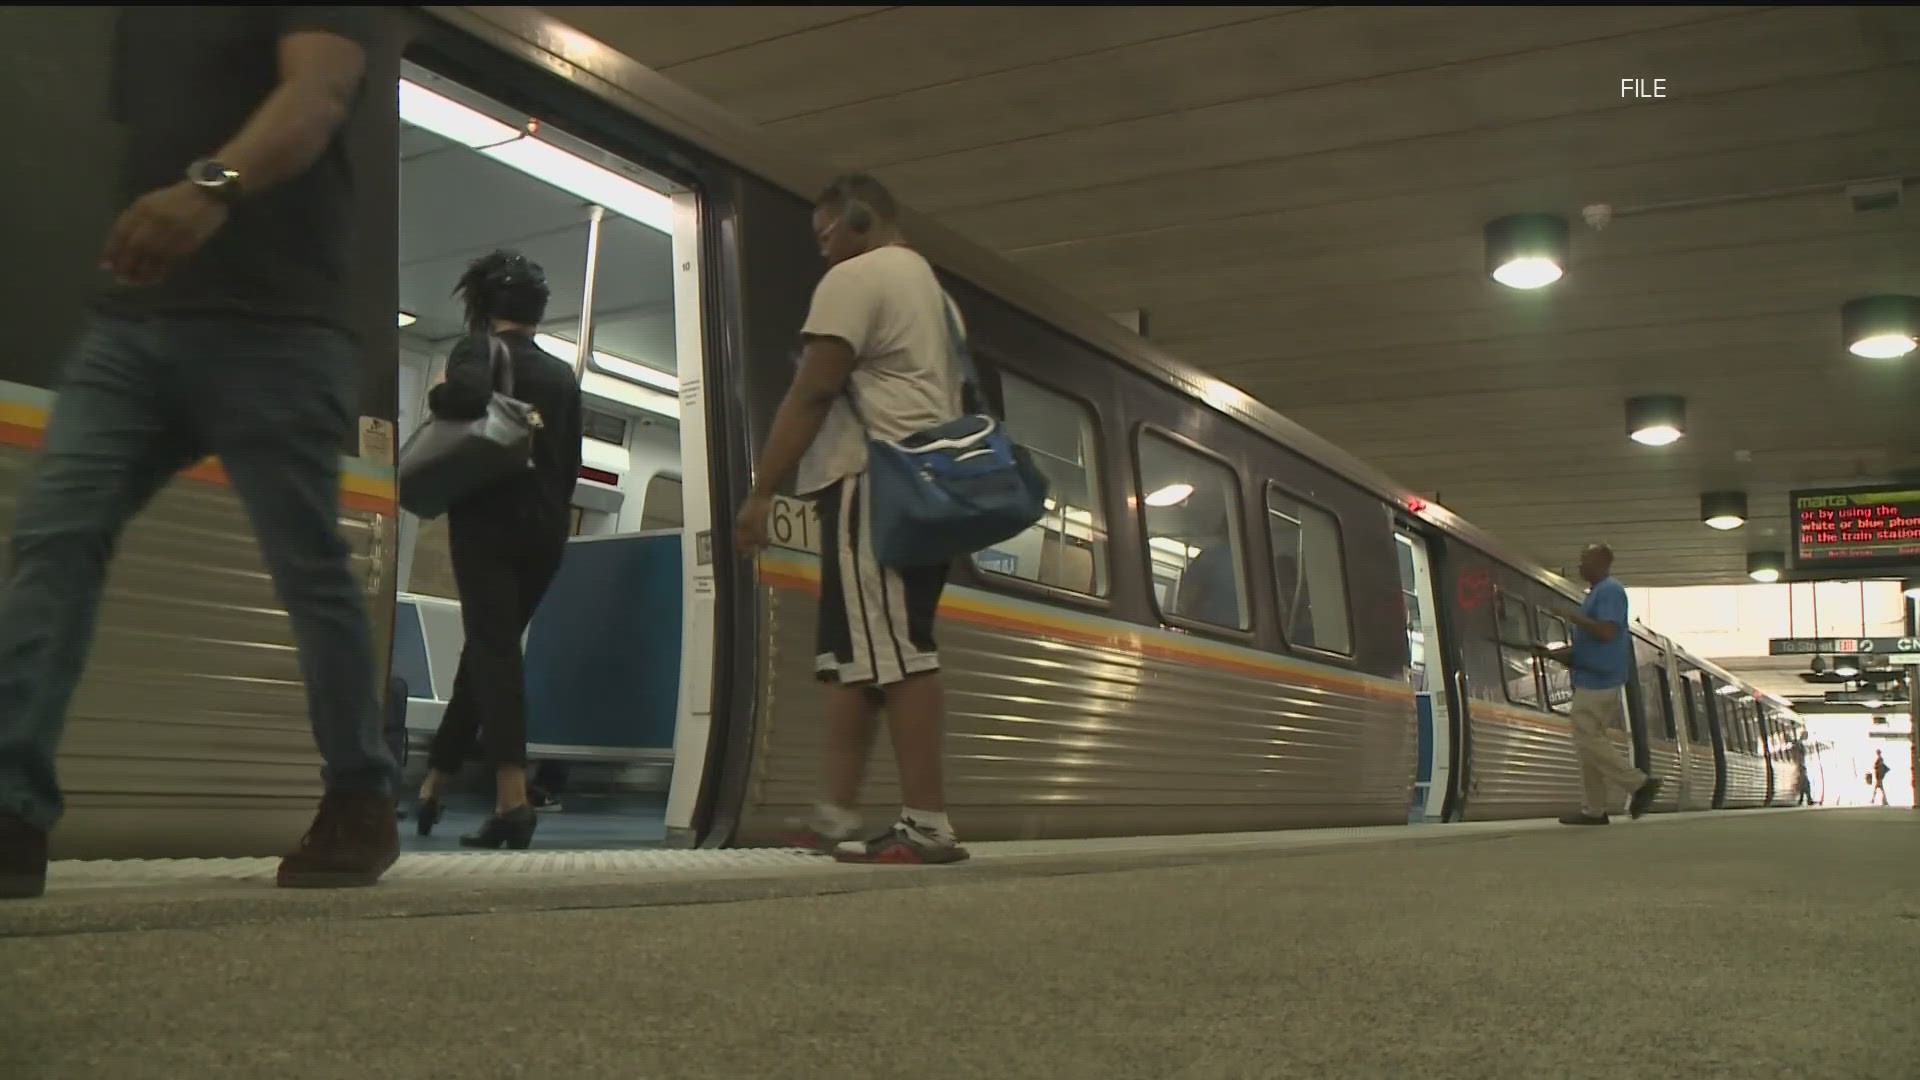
<point x="876" y="623"/>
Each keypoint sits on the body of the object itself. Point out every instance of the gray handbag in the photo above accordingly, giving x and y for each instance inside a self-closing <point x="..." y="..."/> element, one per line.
<point x="445" y="460"/>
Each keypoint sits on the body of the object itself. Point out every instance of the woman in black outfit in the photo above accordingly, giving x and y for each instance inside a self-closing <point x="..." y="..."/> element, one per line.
<point x="505" y="540"/>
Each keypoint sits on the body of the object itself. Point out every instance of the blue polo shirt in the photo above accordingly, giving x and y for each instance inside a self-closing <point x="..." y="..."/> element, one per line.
<point x="1603" y="665"/>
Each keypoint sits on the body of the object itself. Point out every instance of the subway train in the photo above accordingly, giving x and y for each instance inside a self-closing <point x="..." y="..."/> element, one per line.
<point x="1223" y="622"/>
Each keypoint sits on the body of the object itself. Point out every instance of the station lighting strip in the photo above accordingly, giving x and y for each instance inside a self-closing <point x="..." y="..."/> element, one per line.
<point x="542" y="160"/>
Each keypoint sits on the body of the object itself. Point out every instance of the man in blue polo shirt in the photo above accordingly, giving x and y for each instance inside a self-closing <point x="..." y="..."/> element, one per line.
<point x="1601" y="659"/>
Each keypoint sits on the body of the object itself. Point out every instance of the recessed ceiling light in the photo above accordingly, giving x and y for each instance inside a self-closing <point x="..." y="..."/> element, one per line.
<point x="1527" y="251"/>
<point x="1765" y="566"/>
<point x="1881" y="327"/>
<point x="1171" y="495"/>
<point x="1657" y="419"/>
<point x="1724" y="510"/>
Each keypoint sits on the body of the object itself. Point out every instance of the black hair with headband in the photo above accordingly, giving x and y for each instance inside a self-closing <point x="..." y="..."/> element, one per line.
<point x="503" y="285"/>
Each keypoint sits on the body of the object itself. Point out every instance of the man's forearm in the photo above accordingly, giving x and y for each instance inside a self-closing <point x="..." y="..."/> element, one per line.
<point x="795" y="425"/>
<point x="285" y="135"/>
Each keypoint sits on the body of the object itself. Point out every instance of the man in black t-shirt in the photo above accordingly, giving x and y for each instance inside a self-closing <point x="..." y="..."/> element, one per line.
<point x="224" y="334"/>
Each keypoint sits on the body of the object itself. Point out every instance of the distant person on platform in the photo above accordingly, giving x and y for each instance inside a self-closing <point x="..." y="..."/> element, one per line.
<point x="1879" y="777"/>
<point x="1601" y="659"/>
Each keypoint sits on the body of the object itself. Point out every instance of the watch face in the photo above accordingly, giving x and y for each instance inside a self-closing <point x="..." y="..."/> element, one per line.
<point x="211" y="174"/>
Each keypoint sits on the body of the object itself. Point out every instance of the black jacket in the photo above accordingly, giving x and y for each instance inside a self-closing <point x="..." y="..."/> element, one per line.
<point x="542" y="496"/>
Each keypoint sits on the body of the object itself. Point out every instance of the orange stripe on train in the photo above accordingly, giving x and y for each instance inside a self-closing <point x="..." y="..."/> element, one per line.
<point x="984" y="612"/>
<point x="378" y="500"/>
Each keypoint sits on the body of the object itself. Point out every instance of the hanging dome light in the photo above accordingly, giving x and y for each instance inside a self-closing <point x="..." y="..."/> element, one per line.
<point x="1881" y="327"/>
<point x="1724" y="510"/>
<point x="1765" y="566"/>
<point x="1527" y="251"/>
<point x="1656" y="419"/>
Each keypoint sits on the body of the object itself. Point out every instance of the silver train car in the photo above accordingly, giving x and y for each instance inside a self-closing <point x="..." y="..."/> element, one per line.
<point x="1223" y="623"/>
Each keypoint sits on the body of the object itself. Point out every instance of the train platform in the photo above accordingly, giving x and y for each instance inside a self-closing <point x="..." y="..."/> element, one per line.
<point x="1756" y="944"/>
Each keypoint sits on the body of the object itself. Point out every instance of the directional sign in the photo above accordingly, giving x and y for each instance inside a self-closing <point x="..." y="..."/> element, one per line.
<point x="1827" y="646"/>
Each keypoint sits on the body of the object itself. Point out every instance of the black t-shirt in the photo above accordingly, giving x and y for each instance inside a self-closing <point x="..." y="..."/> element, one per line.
<point x="547" y="383"/>
<point x="186" y="80"/>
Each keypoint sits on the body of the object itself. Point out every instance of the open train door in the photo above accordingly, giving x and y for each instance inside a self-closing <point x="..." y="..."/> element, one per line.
<point x="1430" y="670"/>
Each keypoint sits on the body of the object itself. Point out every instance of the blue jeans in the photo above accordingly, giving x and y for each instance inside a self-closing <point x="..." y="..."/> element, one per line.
<point x="138" y="402"/>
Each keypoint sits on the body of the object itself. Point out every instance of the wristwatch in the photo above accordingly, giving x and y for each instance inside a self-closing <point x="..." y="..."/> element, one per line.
<point x="216" y="179"/>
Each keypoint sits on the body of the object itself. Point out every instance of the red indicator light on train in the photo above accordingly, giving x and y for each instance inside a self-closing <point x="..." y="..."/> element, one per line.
<point x="1416" y="504"/>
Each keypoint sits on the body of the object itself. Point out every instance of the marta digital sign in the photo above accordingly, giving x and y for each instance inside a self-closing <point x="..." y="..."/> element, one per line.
<point x="1863" y="528"/>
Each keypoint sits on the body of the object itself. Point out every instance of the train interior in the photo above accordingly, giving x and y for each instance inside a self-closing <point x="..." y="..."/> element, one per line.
<point x="605" y="650"/>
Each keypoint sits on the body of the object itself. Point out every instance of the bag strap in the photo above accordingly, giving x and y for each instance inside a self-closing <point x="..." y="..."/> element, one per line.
<point x="500" y="363"/>
<point x="971" y="402"/>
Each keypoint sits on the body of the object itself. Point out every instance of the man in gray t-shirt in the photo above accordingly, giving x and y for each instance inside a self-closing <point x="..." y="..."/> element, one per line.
<point x="878" y="332"/>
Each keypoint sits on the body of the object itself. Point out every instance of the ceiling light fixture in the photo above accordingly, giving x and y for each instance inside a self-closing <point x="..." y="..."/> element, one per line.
<point x="536" y="157"/>
<point x="1881" y="327"/>
<point x="1656" y="419"/>
<point x="1846" y="669"/>
<point x="1765" y="566"/>
<point x="1527" y="251"/>
<point x="1724" y="510"/>
<point x="408" y="318"/>
<point x="1171" y="495"/>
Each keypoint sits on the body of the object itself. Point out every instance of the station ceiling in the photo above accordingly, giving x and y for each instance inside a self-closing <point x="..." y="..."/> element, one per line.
<point x="1295" y="198"/>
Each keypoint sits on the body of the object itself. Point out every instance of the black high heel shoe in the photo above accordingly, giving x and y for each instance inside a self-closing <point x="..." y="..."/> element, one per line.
<point x="428" y="815"/>
<point x="513" y="829"/>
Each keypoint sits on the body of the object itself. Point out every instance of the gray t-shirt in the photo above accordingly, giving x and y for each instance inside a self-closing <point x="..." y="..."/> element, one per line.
<point x="886" y="305"/>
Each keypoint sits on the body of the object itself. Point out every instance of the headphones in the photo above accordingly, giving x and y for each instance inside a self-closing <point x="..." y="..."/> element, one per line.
<point x="858" y="216"/>
<point x="855" y="214"/>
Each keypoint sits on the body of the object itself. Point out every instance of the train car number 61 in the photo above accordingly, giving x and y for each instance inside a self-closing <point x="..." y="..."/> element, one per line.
<point x="794" y="523"/>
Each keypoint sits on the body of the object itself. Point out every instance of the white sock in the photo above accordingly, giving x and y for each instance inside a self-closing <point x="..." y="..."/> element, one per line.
<point x="836" y="822"/>
<point x="929" y="823"/>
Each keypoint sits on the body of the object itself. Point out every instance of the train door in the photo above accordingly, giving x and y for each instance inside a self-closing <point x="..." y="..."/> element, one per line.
<point x="1663" y="687"/>
<point x="1428" y="672"/>
<point x="619" y="652"/>
<point x="1713" y="715"/>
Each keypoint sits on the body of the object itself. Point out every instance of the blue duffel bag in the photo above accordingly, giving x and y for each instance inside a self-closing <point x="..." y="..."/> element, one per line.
<point x="951" y="490"/>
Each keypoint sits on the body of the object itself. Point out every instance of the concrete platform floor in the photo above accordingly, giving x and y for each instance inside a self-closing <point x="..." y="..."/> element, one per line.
<point x="1770" y="944"/>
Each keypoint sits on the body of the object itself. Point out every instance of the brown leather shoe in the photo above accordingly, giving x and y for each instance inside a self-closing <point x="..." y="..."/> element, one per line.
<point x="353" y="840"/>
<point x="23" y="859"/>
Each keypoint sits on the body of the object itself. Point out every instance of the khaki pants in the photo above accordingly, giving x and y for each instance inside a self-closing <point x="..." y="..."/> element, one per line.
<point x="1595" y="712"/>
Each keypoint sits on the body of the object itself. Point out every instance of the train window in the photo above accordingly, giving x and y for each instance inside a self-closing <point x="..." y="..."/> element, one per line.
<point x="1309" y="574"/>
<point x="1696" y="710"/>
<point x="1191" y="509"/>
<point x="1514" y="636"/>
<point x="1554" y="634"/>
<point x="660" y="507"/>
<point x="1066" y="549"/>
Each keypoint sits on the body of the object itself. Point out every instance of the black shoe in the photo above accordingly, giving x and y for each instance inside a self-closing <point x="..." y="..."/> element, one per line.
<point x="543" y="801"/>
<point x="1642" y="800"/>
<point x="23" y="859"/>
<point x="1585" y="819"/>
<point x="513" y="829"/>
<point x="353" y="840"/>
<point x="427" y="816"/>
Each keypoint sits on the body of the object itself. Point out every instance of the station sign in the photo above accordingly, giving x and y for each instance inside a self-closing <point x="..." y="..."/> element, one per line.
<point x="1893" y="648"/>
<point x="1858" y="528"/>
